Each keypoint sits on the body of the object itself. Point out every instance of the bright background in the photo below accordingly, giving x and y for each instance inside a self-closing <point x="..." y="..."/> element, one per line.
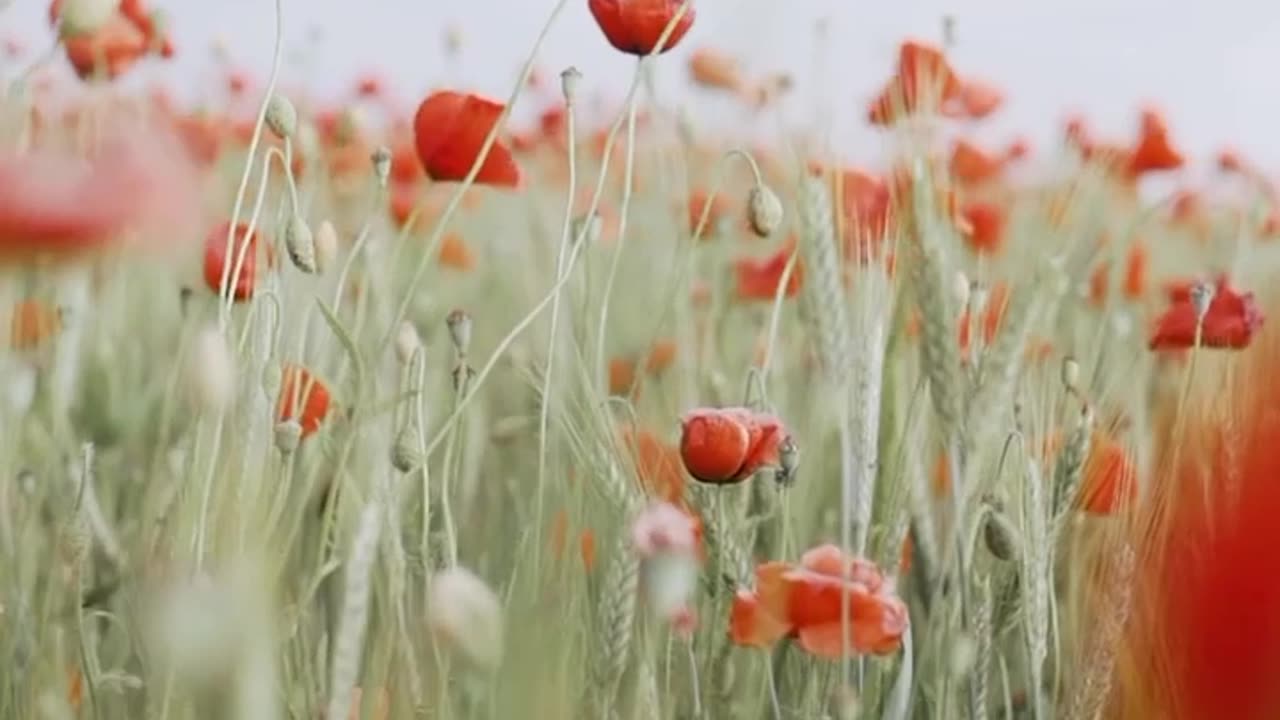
<point x="1214" y="67"/>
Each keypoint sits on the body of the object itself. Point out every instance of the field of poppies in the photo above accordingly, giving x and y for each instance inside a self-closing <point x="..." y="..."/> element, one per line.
<point x="348" y="410"/>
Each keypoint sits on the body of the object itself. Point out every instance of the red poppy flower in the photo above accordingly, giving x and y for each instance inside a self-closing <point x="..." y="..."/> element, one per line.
<point x="59" y="206"/>
<point x="303" y="397"/>
<point x="635" y="26"/>
<point x="728" y="445"/>
<point x="924" y="81"/>
<point x="657" y="464"/>
<point x="971" y="164"/>
<point x="717" y="212"/>
<point x="977" y="99"/>
<point x="1230" y="321"/>
<point x="449" y="131"/>
<point x="1110" y="479"/>
<point x="1154" y="151"/>
<point x="759" y="279"/>
<point x="986" y="226"/>
<point x="808" y="601"/>
<point x="129" y="35"/>
<point x="32" y="324"/>
<point x="217" y="262"/>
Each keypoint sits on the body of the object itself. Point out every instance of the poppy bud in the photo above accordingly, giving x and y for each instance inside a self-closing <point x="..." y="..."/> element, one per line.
<point x="282" y="118"/>
<point x="84" y="17"/>
<point x="466" y="616"/>
<point x="287" y="435"/>
<point x="459" y="323"/>
<point x="407" y="342"/>
<point x="1071" y="375"/>
<point x="300" y="244"/>
<point x="998" y="533"/>
<point x="405" y="455"/>
<point x="326" y="242"/>
<point x="570" y="79"/>
<point x="764" y="211"/>
<point x="381" y="159"/>
<point x="211" y="371"/>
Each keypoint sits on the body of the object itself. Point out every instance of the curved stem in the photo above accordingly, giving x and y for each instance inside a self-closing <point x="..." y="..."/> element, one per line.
<point x="224" y="286"/>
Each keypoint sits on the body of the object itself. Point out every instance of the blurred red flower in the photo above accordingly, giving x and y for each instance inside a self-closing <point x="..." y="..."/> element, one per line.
<point x="635" y="26"/>
<point x="449" y="132"/>
<point x="1230" y="322"/>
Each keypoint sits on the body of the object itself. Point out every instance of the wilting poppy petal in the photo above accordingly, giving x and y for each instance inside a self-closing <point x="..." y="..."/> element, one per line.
<point x="449" y="132"/>
<point x="635" y="26"/>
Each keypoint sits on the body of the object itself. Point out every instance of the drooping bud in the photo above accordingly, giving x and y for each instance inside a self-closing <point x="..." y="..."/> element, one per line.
<point x="300" y="244"/>
<point x="282" y="118"/>
<point x="405" y="453"/>
<point x="466" y="616"/>
<point x="998" y="532"/>
<point x="764" y="210"/>
<point x="326" y="242"/>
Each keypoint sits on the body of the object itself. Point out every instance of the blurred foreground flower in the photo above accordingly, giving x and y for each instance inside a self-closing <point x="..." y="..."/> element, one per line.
<point x="1230" y="321"/>
<point x="56" y="205"/>
<point x="466" y="616"/>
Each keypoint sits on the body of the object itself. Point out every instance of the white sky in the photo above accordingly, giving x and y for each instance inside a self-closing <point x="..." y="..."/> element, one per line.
<point x="1213" y="66"/>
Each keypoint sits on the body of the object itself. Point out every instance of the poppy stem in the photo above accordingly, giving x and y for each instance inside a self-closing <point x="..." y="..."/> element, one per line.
<point x="564" y="255"/>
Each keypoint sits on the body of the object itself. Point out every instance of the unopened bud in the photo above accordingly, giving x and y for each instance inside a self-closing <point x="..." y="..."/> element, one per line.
<point x="326" y="242"/>
<point x="281" y="117"/>
<point x="466" y="616"/>
<point x="998" y="533"/>
<point x="764" y="210"/>
<point x="459" y="323"/>
<point x="381" y="159"/>
<point x="570" y="79"/>
<point x="288" y="434"/>
<point x="407" y="342"/>
<point x="300" y="244"/>
<point x="587" y="228"/>
<point x="83" y="17"/>
<point x="405" y="453"/>
<point x="211" y="371"/>
<point x="1071" y="375"/>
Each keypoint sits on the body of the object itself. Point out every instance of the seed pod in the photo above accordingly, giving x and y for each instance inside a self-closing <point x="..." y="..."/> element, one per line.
<point x="282" y="118"/>
<point x="764" y="210"/>
<point x="788" y="460"/>
<point x="381" y="159"/>
<point x="1201" y="298"/>
<point x="570" y="79"/>
<point x="288" y="434"/>
<point x="326" y="242"/>
<point x="300" y="244"/>
<point x="459" y="323"/>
